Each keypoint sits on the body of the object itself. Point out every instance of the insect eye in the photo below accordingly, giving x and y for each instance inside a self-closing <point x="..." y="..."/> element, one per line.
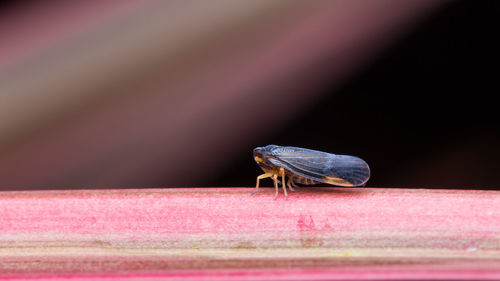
<point x="257" y="154"/>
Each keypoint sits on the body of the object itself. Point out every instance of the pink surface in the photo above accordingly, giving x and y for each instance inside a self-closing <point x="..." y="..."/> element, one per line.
<point x="316" y="234"/>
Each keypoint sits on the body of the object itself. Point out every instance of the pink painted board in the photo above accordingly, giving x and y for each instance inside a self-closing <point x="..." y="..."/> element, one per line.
<point x="226" y="234"/>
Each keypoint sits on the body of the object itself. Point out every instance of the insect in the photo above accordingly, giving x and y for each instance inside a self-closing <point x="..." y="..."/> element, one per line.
<point x="306" y="166"/>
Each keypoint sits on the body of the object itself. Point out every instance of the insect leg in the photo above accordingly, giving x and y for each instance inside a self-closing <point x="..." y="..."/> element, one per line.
<point x="275" y="179"/>
<point x="263" y="176"/>
<point x="282" y="172"/>
<point x="289" y="183"/>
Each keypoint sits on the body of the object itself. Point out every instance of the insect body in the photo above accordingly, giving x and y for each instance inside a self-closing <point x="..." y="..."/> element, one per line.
<point x="306" y="166"/>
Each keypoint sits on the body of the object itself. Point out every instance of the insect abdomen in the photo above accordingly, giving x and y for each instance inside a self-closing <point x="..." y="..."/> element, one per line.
<point x="303" y="180"/>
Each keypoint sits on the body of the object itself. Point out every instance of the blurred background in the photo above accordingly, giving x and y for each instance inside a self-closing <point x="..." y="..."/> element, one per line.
<point x="130" y="94"/>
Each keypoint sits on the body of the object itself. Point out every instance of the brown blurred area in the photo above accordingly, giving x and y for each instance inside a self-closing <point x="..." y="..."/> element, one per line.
<point x="121" y="94"/>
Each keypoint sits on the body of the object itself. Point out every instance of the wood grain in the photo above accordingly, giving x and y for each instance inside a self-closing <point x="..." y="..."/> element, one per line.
<point x="226" y="234"/>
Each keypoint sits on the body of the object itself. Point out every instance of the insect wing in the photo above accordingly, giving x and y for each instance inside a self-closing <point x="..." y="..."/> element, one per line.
<point x="342" y="170"/>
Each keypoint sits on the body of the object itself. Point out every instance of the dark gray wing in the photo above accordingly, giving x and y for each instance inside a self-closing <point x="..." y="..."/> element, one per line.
<point x="343" y="170"/>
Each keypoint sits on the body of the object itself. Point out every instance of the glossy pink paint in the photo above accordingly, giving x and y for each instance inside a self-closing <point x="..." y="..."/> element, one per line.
<point x="226" y="234"/>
